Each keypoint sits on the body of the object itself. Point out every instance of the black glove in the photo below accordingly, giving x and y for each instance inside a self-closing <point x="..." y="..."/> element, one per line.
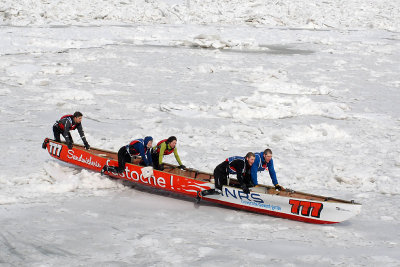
<point x="69" y="144"/>
<point x="86" y="144"/>
<point x="183" y="167"/>
<point x="278" y="187"/>
<point x="245" y="189"/>
<point x="161" y="168"/>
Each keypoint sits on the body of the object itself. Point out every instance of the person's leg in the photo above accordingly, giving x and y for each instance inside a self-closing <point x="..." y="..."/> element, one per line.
<point x="122" y="162"/>
<point x="122" y="159"/>
<point x="220" y="178"/>
<point x="57" y="133"/>
<point x="154" y="157"/>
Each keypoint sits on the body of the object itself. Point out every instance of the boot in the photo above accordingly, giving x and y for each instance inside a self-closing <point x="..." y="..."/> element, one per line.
<point x="44" y="145"/>
<point x="215" y="191"/>
<point x="105" y="169"/>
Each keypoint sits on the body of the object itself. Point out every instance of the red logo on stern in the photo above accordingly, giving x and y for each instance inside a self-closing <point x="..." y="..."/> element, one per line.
<point x="306" y="208"/>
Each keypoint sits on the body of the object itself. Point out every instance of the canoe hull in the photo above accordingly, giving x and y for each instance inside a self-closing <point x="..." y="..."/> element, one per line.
<point x="318" y="212"/>
<point x="260" y="200"/>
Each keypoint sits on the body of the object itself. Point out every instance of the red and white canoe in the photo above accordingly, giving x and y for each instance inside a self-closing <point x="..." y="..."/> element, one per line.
<point x="265" y="199"/>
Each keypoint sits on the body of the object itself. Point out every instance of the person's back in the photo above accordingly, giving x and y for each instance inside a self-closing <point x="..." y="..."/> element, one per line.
<point x="141" y="147"/>
<point x="236" y="164"/>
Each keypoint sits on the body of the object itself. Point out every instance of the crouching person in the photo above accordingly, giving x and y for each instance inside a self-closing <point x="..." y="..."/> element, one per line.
<point x="264" y="162"/>
<point x="136" y="147"/>
<point x="67" y="123"/>
<point x="240" y="166"/>
<point x="165" y="147"/>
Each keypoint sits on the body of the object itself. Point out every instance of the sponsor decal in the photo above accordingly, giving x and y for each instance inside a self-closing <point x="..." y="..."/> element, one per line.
<point x="55" y="149"/>
<point x="262" y="205"/>
<point x="252" y="199"/>
<point x="306" y="208"/>
<point x="136" y="177"/>
<point x="87" y="160"/>
<point x="172" y="182"/>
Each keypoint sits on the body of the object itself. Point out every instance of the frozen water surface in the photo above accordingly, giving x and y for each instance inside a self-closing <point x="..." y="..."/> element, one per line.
<point x="324" y="98"/>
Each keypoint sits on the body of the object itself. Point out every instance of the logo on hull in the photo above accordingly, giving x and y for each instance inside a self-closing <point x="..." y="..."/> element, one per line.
<point x="87" y="160"/>
<point x="252" y="199"/>
<point x="55" y="149"/>
<point x="306" y="208"/>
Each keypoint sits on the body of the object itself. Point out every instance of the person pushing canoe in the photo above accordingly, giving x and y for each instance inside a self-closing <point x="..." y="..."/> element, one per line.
<point x="235" y="165"/>
<point x="262" y="162"/>
<point x="67" y="123"/>
<point x="136" y="147"/>
<point x="165" y="147"/>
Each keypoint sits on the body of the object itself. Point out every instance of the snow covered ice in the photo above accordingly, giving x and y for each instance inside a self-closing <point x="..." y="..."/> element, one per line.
<point x="317" y="82"/>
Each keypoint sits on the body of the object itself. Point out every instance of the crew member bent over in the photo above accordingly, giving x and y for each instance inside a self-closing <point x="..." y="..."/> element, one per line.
<point x="165" y="147"/>
<point x="136" y="147"/>
<point x="67" y="123"/>
<point x="235" y="165"/>
<point x="264" y="162"/>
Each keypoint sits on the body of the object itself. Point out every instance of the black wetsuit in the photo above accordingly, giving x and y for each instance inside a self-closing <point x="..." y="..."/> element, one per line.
<point x="123" y="158"/>
<point x="63" y="126"/>
<point x="125" y="154"/>
<point x="233" y="165"/>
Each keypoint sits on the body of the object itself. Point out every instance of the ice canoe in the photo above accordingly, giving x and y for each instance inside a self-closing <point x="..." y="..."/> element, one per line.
<point x="264" y="199"/>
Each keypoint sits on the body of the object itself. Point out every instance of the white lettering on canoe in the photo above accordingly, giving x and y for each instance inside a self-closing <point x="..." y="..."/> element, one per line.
<point x="55" y="149"/>
<point x="87" y="161"/>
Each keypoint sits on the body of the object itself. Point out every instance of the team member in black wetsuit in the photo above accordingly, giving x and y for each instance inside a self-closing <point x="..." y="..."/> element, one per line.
<point x="136" y="147"/>
<point x="66" y="124"/>
<point x="241" y="166"/>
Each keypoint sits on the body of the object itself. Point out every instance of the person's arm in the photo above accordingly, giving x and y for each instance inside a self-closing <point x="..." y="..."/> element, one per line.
<point x="67" y="127"/>
<point x="272" y="172"/>
<point x="142" y="154"/>
<point x="149" y="159"/>
<point x="177" y="157"/>
<point x="162" y="150"/>
<point x="82" y="134"/>
<point x="80" y="131"/>
<point x="66" y="135"/>
<point x="239" y="165"/>
<point x="254" y="169"/>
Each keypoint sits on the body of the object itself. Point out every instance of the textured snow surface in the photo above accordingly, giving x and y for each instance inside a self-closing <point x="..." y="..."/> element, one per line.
<point x="313" y="14"/>
<point x="317" y="82"/>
